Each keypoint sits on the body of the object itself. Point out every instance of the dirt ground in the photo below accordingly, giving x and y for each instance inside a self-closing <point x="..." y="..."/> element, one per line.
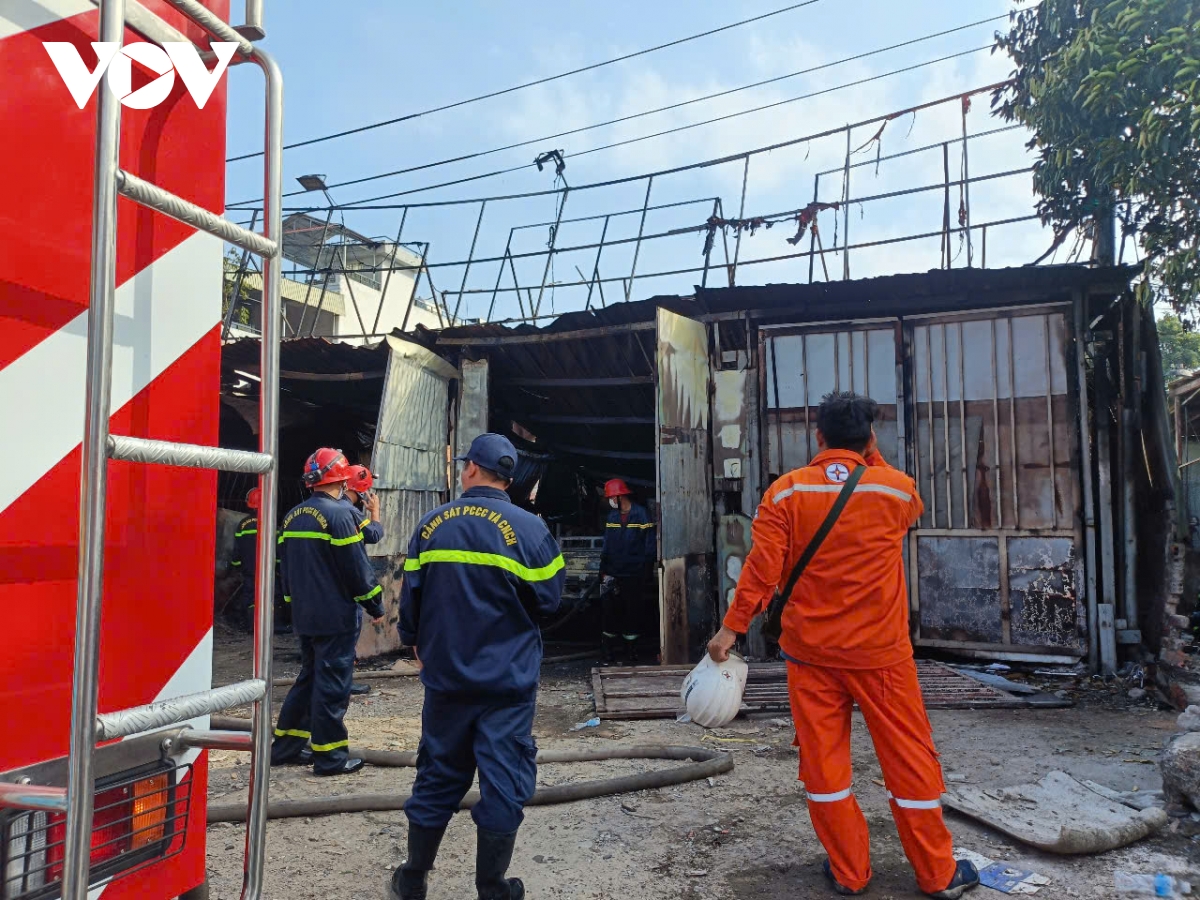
<point x="745" y="834"/>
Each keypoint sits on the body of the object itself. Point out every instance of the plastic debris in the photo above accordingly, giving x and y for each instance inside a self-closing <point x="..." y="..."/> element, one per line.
<point x="590" y="723"/>
<point x="1158" y="885"/>
<point x="1001" y="876"/>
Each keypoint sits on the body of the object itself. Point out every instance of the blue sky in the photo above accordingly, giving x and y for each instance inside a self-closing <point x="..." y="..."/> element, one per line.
<point x="374" y="60"/>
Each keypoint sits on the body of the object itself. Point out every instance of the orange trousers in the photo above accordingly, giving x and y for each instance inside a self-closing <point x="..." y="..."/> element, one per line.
<point x="891" y="704"/>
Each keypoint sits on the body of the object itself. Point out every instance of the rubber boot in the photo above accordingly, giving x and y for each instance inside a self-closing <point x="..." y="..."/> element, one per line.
<point x="493" y="853"/>
<point x="409" y="881"/>
<point x="631" y="652"/>
<point x="609" y="644"/>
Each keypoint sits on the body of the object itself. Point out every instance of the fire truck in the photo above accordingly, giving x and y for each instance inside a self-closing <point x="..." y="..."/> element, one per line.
<point x="111" y="243"/>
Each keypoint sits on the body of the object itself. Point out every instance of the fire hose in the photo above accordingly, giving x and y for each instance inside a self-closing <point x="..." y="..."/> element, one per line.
<point x="701" y="763"/>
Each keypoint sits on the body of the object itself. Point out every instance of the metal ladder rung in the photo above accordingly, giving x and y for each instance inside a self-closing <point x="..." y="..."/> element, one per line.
<point x="192" y="456"/>
<point x="126" y="722"/>
<point x="33" y="796"/>
<point x="213" y="24"/>
<point x="168" y="204"/>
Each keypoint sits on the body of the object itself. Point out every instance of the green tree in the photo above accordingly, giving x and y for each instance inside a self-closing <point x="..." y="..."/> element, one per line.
<point x="1180" y="347"/>
<point x="230" y="263"/>
<point x="1109" y="88"/>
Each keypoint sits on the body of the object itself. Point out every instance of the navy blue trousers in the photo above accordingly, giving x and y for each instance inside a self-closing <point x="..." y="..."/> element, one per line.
<point x="459" y="737"/>
<point x="316" y="704"/>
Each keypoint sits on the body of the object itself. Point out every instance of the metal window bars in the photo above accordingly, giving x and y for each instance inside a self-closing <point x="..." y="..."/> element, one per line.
<point x="87" y="727"/>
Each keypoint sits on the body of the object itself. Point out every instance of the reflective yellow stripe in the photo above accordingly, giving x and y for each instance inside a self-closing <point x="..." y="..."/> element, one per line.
<point x="642" y="525"/>
<point x="292" y="732"/>
<point x="236" y="562"/>
<point x="373" y="592"/>
<point x="325" y="748"/>
<point x="309" y="535"/>
<point x="287" y="599"/>
<point x="412" y="564"/>
<point x="320" y="536"/>
<point x="612" y="525"/>
<point x="471" y="558"/>
<point x="244" y="533"/>
<point x="365" y="522"/>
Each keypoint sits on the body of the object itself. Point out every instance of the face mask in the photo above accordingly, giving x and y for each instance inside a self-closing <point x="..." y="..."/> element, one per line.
<point x="614" y="503"/>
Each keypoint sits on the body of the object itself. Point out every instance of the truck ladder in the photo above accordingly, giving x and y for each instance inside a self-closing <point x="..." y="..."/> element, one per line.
<point x="87" y="727"/>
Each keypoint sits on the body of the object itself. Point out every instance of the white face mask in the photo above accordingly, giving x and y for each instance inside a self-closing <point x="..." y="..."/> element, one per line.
<point x="614" y="503"/>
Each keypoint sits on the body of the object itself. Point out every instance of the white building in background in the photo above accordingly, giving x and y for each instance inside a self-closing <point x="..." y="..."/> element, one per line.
<point x="336" y="286"/>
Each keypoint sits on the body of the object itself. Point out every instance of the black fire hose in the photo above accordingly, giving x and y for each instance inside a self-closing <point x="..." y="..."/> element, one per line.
<point x="702" y="763"/>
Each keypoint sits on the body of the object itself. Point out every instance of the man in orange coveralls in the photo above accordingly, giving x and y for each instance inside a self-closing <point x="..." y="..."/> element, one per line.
<point x="845" y="636"/>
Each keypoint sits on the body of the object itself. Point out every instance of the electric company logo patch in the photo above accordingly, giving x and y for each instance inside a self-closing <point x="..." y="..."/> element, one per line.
<point x="116" y="62"/>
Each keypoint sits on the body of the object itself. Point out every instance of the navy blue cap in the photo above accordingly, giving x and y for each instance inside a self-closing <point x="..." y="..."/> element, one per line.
<point x="493" y="452"/>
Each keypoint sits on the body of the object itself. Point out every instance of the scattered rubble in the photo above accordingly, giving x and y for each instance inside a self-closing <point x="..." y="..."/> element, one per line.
<point x="1057" y="814"/>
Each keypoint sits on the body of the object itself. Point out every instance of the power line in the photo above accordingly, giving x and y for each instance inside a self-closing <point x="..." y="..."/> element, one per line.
<point x="650" y="112"/>
<point x="674" y="170"/>
<point x="679" y="128"/>
<point x="527" y="84"/>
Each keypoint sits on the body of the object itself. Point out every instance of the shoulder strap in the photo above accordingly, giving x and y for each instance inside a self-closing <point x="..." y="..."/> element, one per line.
<point x="810" y="551"/>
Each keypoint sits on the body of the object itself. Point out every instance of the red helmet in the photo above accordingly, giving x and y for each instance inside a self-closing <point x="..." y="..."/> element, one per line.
<point x="254" y="498"/>
<point x="361" y="479"/>
<point x="326" y="466"/>
<point x="616" y="488"/>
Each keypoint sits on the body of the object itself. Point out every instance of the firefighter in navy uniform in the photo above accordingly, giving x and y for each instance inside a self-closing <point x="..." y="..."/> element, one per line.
<point x="360" y="496"/>
<point x="245" y="559"/>
<point x="366" y="508"/>
<point x="326" y="577"/>
<point x="480" y="574"/>
<point x="625" y="564"/>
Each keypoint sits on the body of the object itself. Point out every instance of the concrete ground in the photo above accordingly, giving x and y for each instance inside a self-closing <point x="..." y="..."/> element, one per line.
<point x="745" y="834"/>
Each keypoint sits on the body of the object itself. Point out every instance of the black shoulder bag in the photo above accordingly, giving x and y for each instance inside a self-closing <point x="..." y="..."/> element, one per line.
<point x="773" y="626"/>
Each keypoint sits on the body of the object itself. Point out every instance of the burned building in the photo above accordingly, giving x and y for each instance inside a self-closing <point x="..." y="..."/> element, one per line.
<point x="1021" y="401"/>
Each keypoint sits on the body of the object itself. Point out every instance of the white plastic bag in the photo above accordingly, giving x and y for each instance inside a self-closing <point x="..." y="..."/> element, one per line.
<point x="712" y="692"/>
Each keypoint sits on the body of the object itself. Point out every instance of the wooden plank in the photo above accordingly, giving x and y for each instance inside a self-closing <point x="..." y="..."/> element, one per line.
<point x="653" y="691"/>
<point x="545" y="337"/>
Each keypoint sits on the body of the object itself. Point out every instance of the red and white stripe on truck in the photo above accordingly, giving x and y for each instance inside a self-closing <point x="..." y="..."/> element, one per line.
<point x="156" y="640"/>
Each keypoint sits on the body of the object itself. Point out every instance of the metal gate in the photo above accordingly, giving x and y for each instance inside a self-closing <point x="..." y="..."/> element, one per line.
<point x="980" y="411"/>
<point x="994" y="456"/>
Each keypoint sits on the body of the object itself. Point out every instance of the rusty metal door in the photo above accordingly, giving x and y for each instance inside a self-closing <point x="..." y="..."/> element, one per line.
<point x="996" y="555"/>
<point x="471" y="419"/>
<point x="409" y="462"/>
<point x="687" y="609"/>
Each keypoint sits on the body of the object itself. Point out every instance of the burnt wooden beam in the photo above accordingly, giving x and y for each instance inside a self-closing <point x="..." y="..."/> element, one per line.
<point x="589" y="420"/>
<point x="547" y="337"/>
<point x="603" y="454"/>
<point x="618" y="381"/>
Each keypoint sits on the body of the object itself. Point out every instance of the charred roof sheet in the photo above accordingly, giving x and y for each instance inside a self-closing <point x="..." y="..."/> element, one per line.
<point x="583" y="383"/>
<point x="314" y="371"/>
<point x="884" y="295"/>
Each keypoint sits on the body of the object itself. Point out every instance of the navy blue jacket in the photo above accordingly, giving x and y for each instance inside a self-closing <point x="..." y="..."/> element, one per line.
<point x="324" y="568"/>
<point x="372" y="531"/>
<point x="629" y="547"/>
<point x="480" y="573"/>
<point x="245" y="557"/>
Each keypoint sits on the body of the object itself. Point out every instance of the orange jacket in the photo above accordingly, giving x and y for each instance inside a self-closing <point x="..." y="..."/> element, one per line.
<point x="849" y="609"/>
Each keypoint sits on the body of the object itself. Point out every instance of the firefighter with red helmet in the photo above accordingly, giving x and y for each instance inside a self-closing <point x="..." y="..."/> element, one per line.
<point x="326" y="577"/>
<point x="365" y="504"/>
<point x="625" y="564"/>
<point x="245" y="560"/>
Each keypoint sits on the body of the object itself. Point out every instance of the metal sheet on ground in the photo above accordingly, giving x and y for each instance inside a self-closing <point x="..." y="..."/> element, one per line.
<point x="652" y="692"/>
